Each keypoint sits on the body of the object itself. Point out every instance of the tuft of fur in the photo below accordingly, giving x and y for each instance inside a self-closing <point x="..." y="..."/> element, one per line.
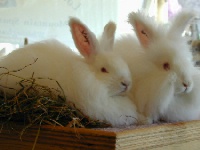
<point x="160" y="62"/>
<point x="185" y="106"/>
<point x="96" y="82"/>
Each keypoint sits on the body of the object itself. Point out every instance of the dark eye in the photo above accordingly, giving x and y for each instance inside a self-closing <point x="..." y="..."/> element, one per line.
<point x="104" y="70"/>
<point x="166" y="66"/>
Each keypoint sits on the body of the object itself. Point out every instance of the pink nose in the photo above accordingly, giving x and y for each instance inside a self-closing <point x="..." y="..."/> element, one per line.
<point x="125" y="85"/>
<point x="186" y="86"/>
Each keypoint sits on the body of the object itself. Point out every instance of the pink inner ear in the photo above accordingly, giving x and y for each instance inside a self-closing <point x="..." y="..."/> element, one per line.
<point x="142" y="34"/>
<point x="82" y="39"/>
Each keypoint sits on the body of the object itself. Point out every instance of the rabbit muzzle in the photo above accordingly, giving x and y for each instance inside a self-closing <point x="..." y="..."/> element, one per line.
<point x="185" y="86"/>
<point x="124" y="87"/>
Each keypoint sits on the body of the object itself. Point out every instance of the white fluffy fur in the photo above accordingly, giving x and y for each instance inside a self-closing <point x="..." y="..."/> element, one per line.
<point x="156" y="45"/>
<point x="185" y="106"/>
<point x="100" y="95"/>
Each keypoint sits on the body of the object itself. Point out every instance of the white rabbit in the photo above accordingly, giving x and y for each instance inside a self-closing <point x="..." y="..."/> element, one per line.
<point x="185" y="106"/>
<point x="95" y="82"/>
<point x="159" y="60"/>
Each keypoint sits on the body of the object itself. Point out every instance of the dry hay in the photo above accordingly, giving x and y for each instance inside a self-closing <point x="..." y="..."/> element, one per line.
<point x="36" y="104"/>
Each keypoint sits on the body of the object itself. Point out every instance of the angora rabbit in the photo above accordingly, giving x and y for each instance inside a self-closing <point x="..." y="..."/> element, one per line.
<point x="185" y="106"/>
<point x="159" y="60"/>
<point x="95" y="82"/>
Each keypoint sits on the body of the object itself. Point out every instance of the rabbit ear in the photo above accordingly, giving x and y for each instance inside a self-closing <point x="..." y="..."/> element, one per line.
<point x="84" y="39"/>
<point x="180" y="22"/>
<point x="143" y="27"/>
<point x="107" y="38"/>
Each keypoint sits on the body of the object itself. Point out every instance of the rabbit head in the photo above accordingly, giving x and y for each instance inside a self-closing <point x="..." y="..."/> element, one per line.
<point x="108" y="67"/>
<point x="165" y="47"/>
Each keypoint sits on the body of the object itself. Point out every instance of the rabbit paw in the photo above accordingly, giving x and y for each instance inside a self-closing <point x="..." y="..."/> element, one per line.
<point x="143" y="120"/>
<point x="125" y="120"/>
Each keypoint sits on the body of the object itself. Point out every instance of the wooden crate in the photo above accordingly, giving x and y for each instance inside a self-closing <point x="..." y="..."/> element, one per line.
<point x="183" y="136"/>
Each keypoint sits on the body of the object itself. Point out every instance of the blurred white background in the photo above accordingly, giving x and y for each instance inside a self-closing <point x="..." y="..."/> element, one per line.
<point x="43" y="19"/>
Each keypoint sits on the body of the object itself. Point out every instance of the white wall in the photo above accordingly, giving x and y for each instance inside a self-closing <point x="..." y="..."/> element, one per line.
<point x="42" y="19"/>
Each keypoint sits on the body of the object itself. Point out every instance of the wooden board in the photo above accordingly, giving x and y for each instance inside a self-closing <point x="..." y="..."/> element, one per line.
<point x="175" y="136"/>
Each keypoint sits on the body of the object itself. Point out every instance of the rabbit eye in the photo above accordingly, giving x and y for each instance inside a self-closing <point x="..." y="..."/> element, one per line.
<point x="166" y="66"/>
<point x="104" y="70"/>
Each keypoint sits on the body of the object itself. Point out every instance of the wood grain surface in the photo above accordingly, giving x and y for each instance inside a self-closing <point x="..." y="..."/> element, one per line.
<point x="183" y="136"/>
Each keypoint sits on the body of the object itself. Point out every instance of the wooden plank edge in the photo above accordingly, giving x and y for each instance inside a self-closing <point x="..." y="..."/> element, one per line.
<point x="58" y="138"/>
<point x="159" y="136"/>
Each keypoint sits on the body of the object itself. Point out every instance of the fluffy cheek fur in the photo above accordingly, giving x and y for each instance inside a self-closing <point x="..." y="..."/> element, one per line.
<point x="177" y="61"/>
<point x="116" y="87"/>
<point x="179" y="88"/>
<point x="113" y="84"/>
<point x="184" y="82"/>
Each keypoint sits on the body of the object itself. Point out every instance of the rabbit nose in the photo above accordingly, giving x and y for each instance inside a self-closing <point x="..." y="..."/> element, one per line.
<point x="125" y="85"/>
<point x="185" y="85"/>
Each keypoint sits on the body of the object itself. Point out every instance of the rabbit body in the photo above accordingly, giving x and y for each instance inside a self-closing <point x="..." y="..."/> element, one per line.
<point x="160" y="61"/>
<point x="96" y="83"/>
<point x="153" y="88"/>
